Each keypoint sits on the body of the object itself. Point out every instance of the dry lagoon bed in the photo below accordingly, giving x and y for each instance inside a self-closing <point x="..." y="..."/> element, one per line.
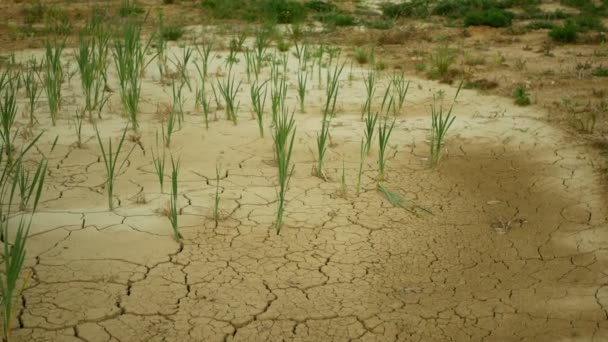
<point x="516" y="247"/>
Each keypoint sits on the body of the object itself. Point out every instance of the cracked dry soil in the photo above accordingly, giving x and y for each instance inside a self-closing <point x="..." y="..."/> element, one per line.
<point x="516" y="248"/>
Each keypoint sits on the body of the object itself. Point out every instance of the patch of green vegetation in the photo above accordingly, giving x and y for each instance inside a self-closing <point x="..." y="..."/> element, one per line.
<point x="277" y="11"/>
<point x="129" y="8"/>
<point x="600" y="72"/>
<point x="380" y="24"/>
<point x="320" y="6"/>
<point x="522" y="96"/>
<point x="411" y="9"/>
<point x="492" y="17"/>
<point x="172" y="32"/>
<point x="337" y="19"/>
<point x="540" y="25"/>
<point x="567" y="33"/>
<point x="588" y="22"/>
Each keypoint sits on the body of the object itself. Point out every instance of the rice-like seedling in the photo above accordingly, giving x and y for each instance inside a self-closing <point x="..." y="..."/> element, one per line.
<point x="169" y="129"/>
<point x="159" y="164"/>
<point x="228" y="88"/>
<point x="173" y="210"/>
<point x="78" y="127"/>
<point x="130" y="60"/>
<point x="283" y="137"/>
<point x="258" y="99"/>
<point x="178" y="100"/>
<point x="232" y="58"/>
<point x="181" y="64"/>
<point x="370" y="90"/>
<point x="204" y="51"/>
<point x="440" y="123"/>
<point x="216" y="200"/>
<point x="262" y="40"/>
<point x="370" y="127"/>
<point x="320" y="53"/>
<point x="110" y="160"/>
<point x="400" y="87"/>
<point x="384" y="133"/>
<point x="161" y="46"/>
<point x="362" y="155"/>
<point x="91" y="74"/>
<point x="53" y="77"/>
<point x="302" y="81"/>
<point x="8" y="113"/>
<point x="203" y="101"/>
<point x="397" y="200"/>
<point x="329" y="110"/>
<point x="13" y="176"/>
<point x="32" y="88"/>
<point x="388" y="100"/>
<point x="278" y="92"/>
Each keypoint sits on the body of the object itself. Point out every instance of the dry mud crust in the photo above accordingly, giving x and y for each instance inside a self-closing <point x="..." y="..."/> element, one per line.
<point x="516" y="248"/>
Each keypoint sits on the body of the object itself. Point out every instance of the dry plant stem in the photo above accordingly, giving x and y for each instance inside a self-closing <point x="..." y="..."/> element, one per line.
<point x="110" y="160"/>
<point x="362" y="155"/>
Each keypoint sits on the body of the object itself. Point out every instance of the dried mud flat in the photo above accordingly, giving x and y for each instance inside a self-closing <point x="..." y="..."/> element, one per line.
<point x="516" y="248"/>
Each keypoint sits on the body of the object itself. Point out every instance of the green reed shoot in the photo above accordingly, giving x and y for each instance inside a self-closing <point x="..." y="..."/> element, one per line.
<point x="78" y="127"/>
<point x="178" y="100"/>
<point x="283" y="137"/>
<point x="370" y="127"/>
<point x="91" y="74"/>
<point x="8" y="113"/>
<point x="159" y="164"/>
<point x="161" y="46"/>
<point x="204" y="51"/>
<point x="333" y="87"/>
<point x="53" y="77"/>
<point x="384" y="133"/>
<point x="27" y="182"/>
<point x="278" y="92"/>
<point x="362" y="155"/>
<point x="331" y="95"/>
<point x="32" y="88"/>
<point x="169" y="129"/>
<point x="400" y="87"/>
<point x="110" y="159"/>
<point x="440" y="123"/>
<point x="173" y="210"/>
<point x="12" y="177"/>
<point x="216" y="200"/>
<point x="388" y="100"/>
<point x="302" y="81"/>
<point x="258" y="98"/>
<point x="262" y="40"/>
<point x="228" y="88"/>
<point x="181" y="64"/>
<point x="370" y="89"/>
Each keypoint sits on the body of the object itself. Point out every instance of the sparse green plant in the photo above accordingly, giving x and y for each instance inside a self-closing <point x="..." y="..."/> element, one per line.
<point x="283" y="137"/>
<point x="522" y="96"/>
<point x="11" y="177"/>
<point x="440" y="123"/>
<point x="331" y="95"/>
<point x="362" y="155"/>
<point x="203" y="101"/>
<point x="397" y="200"/>
<point x="130" y="59"/>
<point x="567" y="33"/>
<point x="400" y="87"/>
<point x="78" y="127"/>
<point x="91" y="74"/>
<point x="178" y="100"/>
<point x="53" y="78"/>
<point x="258" y="99"/>
<point x="8" y="113"/>
<point x="370" y="90"/>
<point x="110" y="160"/>
<point x="262" y="40"/>
<point x="228" y="88"/>
<point x="128" y="8"/>
<point x="278" y="92"/>
<point x="32" y="88"/>
<point x="361" y="56"/>
<point x="172" y="32"/>
<point x="384" y="134"/>
<point x="441" y="60"/>
<point x="302" y="82"/>
<point x="173" y="210"/>
<point x="181" y="64"/>
<point x="283" y="45"/>
<point x="169" y="129"/>
<point x="370" y="127"/>
<point x="159" y="164"/>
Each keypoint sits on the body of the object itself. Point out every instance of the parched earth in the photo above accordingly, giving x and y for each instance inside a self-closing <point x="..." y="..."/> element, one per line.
<point x="516" y="248"/>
